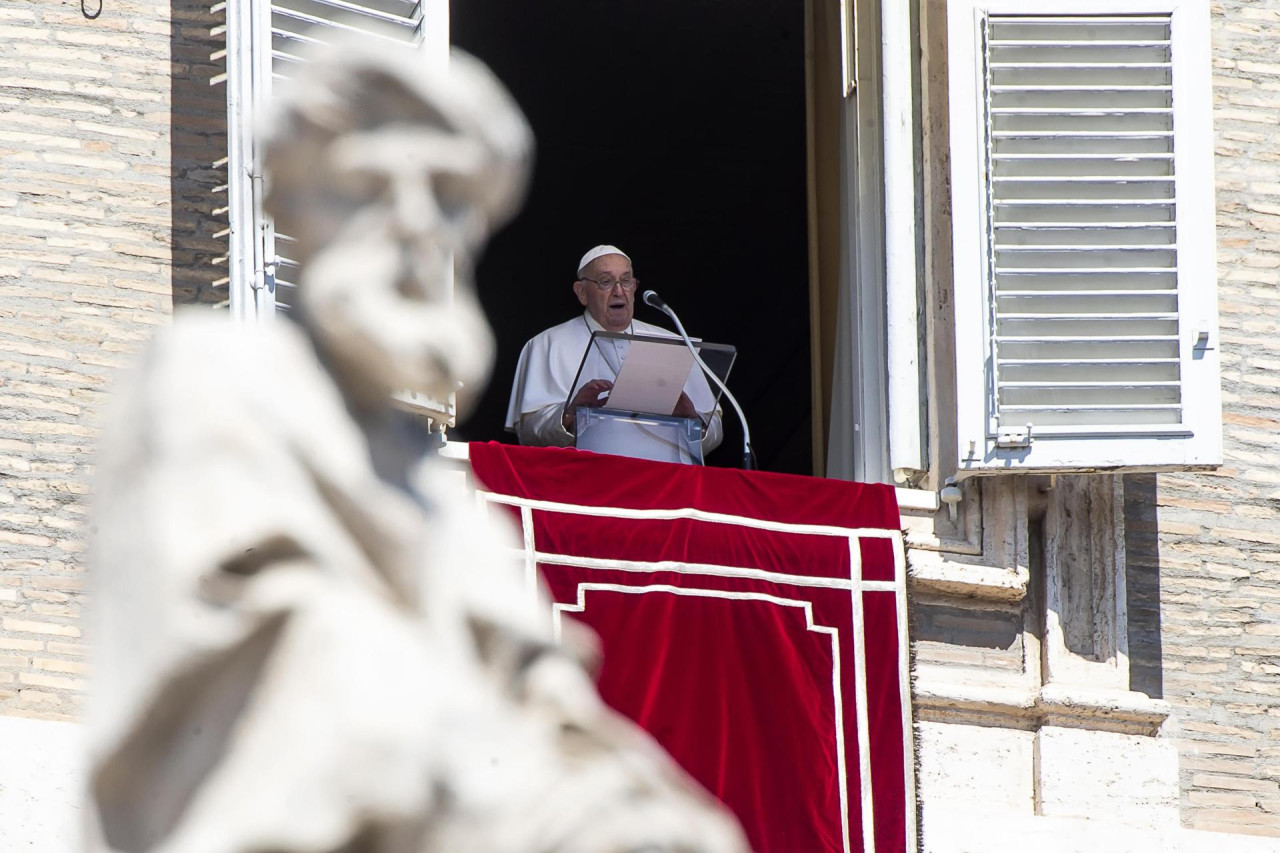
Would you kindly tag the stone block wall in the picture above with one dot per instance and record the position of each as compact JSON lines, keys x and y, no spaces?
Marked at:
{"x":108,"y":134}
{"x":1202,"y":548}
{"x":1206,"y":544}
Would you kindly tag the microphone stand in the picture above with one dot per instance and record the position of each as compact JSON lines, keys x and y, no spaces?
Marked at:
{"x":652,"y":299}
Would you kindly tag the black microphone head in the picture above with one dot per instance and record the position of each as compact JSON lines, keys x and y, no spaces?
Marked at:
{"x":652,"y":298}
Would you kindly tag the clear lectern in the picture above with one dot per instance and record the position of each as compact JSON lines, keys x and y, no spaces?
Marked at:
{"x":649,"y":372}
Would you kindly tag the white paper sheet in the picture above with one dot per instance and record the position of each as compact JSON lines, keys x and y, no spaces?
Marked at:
{"x":651,"y":378}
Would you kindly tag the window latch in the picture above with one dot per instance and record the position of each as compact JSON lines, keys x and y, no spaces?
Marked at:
{"x":1012,"y":438}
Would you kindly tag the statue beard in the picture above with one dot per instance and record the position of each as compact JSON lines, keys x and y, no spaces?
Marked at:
{"x":383,"y":313}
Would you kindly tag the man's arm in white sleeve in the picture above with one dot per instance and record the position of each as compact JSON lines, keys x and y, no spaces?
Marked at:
{"x":544,"y":427}
{"x":715,"y":433}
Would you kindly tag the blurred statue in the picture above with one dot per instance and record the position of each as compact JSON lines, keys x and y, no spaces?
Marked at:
{"x":306,"y":640}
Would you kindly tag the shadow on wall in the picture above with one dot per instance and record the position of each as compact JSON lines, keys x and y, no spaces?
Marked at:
{"x":976,"y":634}
{"x":1142,"y":575}
{"x":197,"y":141}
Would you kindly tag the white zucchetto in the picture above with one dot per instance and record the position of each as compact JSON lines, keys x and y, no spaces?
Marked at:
{"x":597,"y":252}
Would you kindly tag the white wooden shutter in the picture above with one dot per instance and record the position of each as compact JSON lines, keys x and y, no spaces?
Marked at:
{"x":264,"y":41}
{"x":263,"y":44}
{"x":1082,"y":196}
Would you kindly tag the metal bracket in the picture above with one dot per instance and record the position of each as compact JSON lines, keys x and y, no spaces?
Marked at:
{"x":1013,"y":438}
{"x":951,"y":495}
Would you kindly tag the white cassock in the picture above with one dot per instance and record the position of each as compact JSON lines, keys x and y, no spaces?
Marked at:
{"x":549,"y":362}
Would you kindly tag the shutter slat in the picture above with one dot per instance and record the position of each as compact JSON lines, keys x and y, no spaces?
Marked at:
{"x":1094,"y":111}
{"x":1084,"y":156}
{"x":1076,"y":21}
{"x":1014,"y":248}
{"x":343,"y":7}
{"x":1093,"y":362}
{"x":1070,"y":386}
{"x":1078,"y":135}
{"x":1081,"y":66}
{"x":1085,"y":271}
{"x":1080,"y":226}
{"x":1080,"y":407}
{"x":315,"y":22}
{"x":1081,"y":179}
{"x":1109,"y":317}
{"x":1085,"y":339}
{"x":1113,"y":87}
{"x":278,"y":34}
{"x":1082,"y":43}
{"x":1084,"y":294}
{"x":1084,"y":202}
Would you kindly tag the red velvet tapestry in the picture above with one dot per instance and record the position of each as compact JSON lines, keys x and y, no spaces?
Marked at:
{"x":753,"y":623}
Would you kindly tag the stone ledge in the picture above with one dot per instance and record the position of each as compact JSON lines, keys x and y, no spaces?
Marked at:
{"x":1078,"y":707}
{"x":956,"y":830}
{"x":932,"y":572}
{"x":1097,"y":710}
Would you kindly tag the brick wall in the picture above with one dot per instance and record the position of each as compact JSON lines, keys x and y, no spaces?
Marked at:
{"x":1205,"y":545}
{"x":106,"y":220}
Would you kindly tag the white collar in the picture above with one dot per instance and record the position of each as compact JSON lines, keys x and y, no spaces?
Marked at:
{"x":596,"y":327}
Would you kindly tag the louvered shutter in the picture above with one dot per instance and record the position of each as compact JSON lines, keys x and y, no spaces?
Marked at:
{"x":1082,"y":196}
{"x":263,"y":44}
{"x":295,"y":23}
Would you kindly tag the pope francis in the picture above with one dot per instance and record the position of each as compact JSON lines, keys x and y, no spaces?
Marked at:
{"x":606,"y":286}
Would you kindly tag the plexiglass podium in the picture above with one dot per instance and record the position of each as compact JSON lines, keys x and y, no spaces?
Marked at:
{"x":641,"y":436}
{"x":646,"y":382}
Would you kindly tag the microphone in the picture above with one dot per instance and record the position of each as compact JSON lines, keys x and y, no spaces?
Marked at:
{"x":653,"y":300}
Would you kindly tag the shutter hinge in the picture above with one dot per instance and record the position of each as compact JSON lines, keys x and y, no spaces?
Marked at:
{"x":1010,"y":438}
{"x":265,"y":276}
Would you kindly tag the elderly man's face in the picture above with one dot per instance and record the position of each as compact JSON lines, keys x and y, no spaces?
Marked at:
{"x":614,"y":307}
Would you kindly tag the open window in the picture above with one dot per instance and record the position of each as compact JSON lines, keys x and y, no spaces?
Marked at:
{"x":1080,"y":228}
{"x":1084,"y":268}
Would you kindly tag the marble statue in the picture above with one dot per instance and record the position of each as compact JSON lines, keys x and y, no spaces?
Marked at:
{"x":306,"y":638}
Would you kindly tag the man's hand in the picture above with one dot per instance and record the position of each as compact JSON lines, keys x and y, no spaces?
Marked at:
{"x":684,"y":407}
{"x":588,"y":395}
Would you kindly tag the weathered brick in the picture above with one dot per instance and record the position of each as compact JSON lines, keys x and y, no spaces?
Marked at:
{"x":65,"y":666}
{"x":40,"y":697}
{"x":13,"y":538}
{"x":39,"y":679}
{"x":26,"y":626}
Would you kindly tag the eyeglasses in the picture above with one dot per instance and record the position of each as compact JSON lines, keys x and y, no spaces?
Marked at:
{"x":606,"y":284}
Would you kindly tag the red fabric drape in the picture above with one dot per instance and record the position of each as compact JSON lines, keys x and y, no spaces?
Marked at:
{"x":735,"y":647}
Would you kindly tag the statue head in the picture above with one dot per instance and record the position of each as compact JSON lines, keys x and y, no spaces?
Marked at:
{"x":389,"y":173}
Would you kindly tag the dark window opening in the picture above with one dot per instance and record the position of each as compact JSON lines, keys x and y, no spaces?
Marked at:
{"x":678,"y":134}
